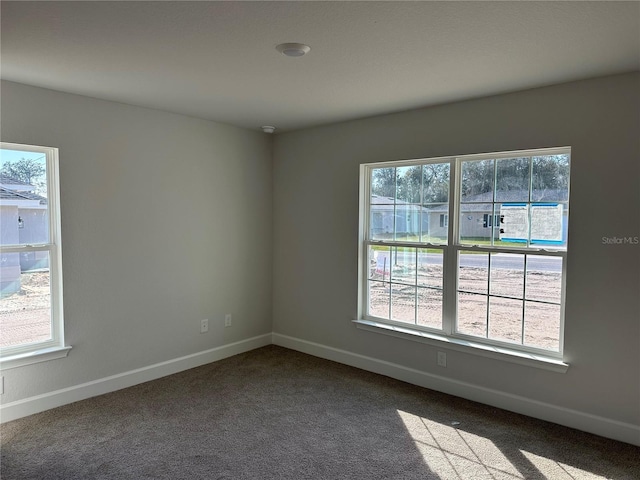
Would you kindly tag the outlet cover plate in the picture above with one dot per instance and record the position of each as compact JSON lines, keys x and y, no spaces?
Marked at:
{"x":442,"y":359}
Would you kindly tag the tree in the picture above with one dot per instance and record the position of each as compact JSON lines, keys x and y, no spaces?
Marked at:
{"x":26,"y":170}
{"x":409,"y":184}
{"x":384,"y":182}
{"x":549,"y":177}
{"x":427,"y":183}
{"x":509,"y":177}
{"x":477,"y":177}
{"x":435,"y":183}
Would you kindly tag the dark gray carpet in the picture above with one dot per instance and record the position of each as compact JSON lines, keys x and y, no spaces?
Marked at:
{"x":278,"y":414}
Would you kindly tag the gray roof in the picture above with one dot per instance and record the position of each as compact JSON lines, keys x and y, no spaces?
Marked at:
{"x":7,"y":194}
{"x":380,"y":200}
{"x":482,"y":202}
{"x":9,"y":180}
{"x":515,"y":196}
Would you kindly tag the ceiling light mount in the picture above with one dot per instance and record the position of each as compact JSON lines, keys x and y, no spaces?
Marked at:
{"x":293,"y":49}
{"x":268,"y":128}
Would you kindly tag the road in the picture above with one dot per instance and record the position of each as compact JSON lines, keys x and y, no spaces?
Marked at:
{"x":510,"y":261}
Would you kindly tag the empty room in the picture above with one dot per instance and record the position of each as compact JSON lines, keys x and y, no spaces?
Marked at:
{"x":320,"y":240}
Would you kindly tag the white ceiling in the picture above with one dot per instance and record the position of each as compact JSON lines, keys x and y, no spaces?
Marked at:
{"x":217,"y":60}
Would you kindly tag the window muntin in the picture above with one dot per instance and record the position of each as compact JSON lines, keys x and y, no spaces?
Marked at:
{"x":30,"y":253}
{"x":497,"y":268}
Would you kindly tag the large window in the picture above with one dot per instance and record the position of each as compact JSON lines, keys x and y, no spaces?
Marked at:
{"x":470,"y":248}
{"x":30,"y":264}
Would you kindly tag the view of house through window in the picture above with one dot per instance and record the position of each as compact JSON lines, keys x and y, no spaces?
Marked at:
{"x":29,"y":250}
{"x":472,"y":247}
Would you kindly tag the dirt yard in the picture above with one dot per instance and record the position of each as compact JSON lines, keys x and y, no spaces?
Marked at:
{"x":26,"y":314}
{"x":481,"y":312}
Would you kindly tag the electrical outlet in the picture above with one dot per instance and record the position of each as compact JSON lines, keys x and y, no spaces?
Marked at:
{"x":442,"y":359}
{"x":204,"y":326}
{"x":227,"y":320}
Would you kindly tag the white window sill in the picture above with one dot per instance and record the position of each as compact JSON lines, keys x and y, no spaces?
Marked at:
{"x":35,"y":356}
{"x":465,"y":346}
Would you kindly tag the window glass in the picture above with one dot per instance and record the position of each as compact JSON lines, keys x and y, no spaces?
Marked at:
{"x":436,"y":182}
{"x":550,"y":178}
{"x":500,"y":280}
{"x":471,"y":223}
{"x":512,"y":180}
{"x":472,"y":314}
{"x":477,"y":181}
{"x":25,"y":305}
{"x":409,"y":184}
{"x":23,"y":198}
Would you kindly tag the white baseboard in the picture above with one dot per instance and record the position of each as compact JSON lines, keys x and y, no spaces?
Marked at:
{"x":604,"y":427}
{"x":40,"y":403}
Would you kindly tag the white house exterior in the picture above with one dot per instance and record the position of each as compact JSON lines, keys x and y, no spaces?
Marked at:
{"x":477,"y":216}
{"x":404,"y":217}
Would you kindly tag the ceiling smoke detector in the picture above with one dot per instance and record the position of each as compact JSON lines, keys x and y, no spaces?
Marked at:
{"x":293,"y":49}
{"x":268,"y":129}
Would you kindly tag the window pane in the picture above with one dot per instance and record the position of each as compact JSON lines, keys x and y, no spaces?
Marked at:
{"x":435,"y":183}
{"x":383,"y":183}
{"x":379,"y":299}
{"x":512,"y":180}
{"x":505,"y":319}
{"x":473,"y":272}
{"x":499,"y":232}
{"x":379,"y":263}
{"x":514,"y":224}
{"x":472,"y":223}
{"x":382,"y":218}
{"x":24,"y":216}
{"x":435,"y":223}
{"x":549,"y":224}
{"x":507,"y":275}
{"x":477,"y":181}
{"x":403,"y":265}
{"x":472,"y":314}
{"x":407,"y":222}
{"x":430,"y":308}
{"x":403,"y":303}
{"x":409,"y":184}
{"x":25,"y":300}
{"x":430,"y":268}
{"x":544,"y":278}
{"x":542,"y":325}
{"x":550,"y":178}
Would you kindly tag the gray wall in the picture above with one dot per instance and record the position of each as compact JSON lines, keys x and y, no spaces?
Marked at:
{"x":166,"y":220}
{"x":316,"y":233}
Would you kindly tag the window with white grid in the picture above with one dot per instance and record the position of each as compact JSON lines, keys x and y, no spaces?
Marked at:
{"x":471,"y":247}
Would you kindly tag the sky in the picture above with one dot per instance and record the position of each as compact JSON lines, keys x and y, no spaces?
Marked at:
{"x":14,"y":155}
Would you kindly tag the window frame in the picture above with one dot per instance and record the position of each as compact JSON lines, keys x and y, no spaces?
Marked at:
{"x":519,"y":352}
{"x":25,"y":354}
